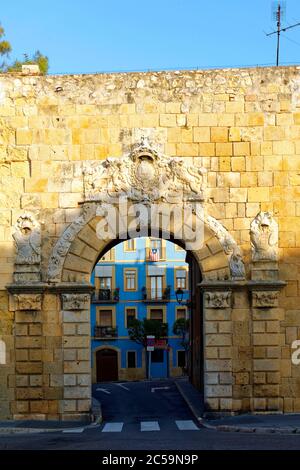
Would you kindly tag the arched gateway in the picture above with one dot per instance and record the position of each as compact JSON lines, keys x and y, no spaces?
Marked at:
{"x":141,"y":193}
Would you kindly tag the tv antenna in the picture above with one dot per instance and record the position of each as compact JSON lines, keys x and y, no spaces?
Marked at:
{"x":278,"y":13}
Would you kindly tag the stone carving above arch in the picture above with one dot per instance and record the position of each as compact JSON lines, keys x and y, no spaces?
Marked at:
{"x":147,"y":177}
{"x":144,"y":175}
{"x":264,"y":237}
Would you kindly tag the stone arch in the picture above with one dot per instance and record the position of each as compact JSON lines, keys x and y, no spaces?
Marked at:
{"x":77,"y":250}
{"x":151,"y":179}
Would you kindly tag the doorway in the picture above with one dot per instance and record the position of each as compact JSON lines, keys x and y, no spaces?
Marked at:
{"x":107,"y":365}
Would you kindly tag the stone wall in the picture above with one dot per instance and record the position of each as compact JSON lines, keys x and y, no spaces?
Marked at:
{"x":243,"y":126}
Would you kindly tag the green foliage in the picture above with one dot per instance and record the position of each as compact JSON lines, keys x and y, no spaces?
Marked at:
{"x":139,"y":330}
{"x":5,"y":47}
{"x":37,"y":58}
{"x":181,"y":328}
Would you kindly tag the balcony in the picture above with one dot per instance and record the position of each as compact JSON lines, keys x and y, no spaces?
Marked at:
{"x":156,"y":295}
{"x":160,"y":255}
{"x":105,"y":332}
{"x":106,"y":296}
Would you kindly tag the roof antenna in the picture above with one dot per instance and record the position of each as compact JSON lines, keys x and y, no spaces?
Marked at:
{"x":278,"y":13}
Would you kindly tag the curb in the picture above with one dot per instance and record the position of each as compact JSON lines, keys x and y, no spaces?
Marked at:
{"x":199,"y":419}
{"x":235,"y":428}
{"x":96,"y":420}
{"x":11,"y":430}
{"x":96,"y":413}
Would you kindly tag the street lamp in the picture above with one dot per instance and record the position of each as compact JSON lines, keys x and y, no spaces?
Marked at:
{"x":179,"y":295}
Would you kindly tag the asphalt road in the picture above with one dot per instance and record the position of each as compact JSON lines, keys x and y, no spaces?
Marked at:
{"x":126,"y":407}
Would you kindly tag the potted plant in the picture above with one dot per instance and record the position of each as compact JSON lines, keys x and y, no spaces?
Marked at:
{"x":116,"y":293}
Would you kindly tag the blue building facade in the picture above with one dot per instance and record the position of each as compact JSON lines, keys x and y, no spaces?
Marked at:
{"x":137,"y":278}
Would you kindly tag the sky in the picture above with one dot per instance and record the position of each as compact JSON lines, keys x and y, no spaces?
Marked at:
{"x":88,"y":36}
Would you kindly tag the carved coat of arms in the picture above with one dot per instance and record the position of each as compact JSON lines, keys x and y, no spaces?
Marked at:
{"x":143,"y":176}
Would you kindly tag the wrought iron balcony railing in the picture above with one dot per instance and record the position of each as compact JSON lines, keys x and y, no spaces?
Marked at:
{"x":106,"y":295}
{"x":156,"y":295}
{"x":105,"y":332}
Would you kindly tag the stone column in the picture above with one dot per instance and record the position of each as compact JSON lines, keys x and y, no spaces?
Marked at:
{"x":29,"y":366}
{"x":267,"y":343}
{"x":76,"y":356}
{"x":217,"y":338}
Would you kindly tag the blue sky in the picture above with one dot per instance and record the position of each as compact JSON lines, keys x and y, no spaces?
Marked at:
{"x":124,"y":35}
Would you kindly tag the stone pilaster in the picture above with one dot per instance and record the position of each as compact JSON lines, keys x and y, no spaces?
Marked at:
{"x":217,"y":339}
{"x":76,"y":356}
{"x":267,"y":342}
{"x":29,"y":393}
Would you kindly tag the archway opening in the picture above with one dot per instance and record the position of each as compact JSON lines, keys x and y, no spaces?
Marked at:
{"x":140,"y":283}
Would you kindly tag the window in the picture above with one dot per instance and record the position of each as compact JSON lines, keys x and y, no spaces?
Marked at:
{"x":180,"y":313}
{"x":156,"y":287}
{"x":105,"y":317}
{"x":181,"y":279}
{"x":104,"y":278}
{"x":129,"y":245}
{"x":130,"y":279}
{"x":130,"y":315}
{"x":157,"y":355}
{"x":181,"y":359}
{"x":131,"y":359}
{"x":105,"y":282}
{"x":157,"y":314}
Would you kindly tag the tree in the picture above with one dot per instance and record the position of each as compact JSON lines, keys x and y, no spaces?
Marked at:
{"x":139,"y":330}
{"x":181,"y":328}
{"x":37,"y":58}
{"x":5,"y":47}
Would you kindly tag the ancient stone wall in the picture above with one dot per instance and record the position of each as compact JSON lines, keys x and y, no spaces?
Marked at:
{"x":243,"y":127}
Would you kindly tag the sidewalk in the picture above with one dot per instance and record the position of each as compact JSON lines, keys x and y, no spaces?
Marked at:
{"x":35,"y":426}
{"x":248,"y":423}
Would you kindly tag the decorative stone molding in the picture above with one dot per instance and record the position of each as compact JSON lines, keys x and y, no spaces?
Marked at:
{"x":231,"y":249}
{"x":144,"y":175}
{"x":264,"y":237}
{"x":147,"y":177}
{"x":27,"y":236}
{"x":265,"y":299}
{"x":91,"y":210}
{"x":218,"y":299}
{"x":28,"y":301}
{"x":237,"y":267}
{"x":75,"y":301}
{"x":63,"y":245}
